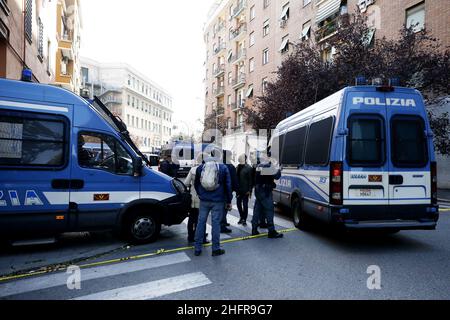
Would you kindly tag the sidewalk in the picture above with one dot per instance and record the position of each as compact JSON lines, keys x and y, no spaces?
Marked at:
{"x":444,"y":195}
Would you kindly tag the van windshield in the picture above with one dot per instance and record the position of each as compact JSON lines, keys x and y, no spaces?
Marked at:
{"x":366,"y":143}
{"x":409,"y":147}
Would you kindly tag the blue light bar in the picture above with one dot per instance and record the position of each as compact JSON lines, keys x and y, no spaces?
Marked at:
{"x":361,"y":81}
{"x":27,"y":75}
{"x":394,"y":82}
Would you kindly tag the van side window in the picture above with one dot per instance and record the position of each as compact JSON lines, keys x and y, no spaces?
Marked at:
{"x":32,"y":142}
{"x":409,"y":144}
{"x":277,"y":147}
{"x":294,"y":146}
{"x":103,"y":152}
{"x":319,"y":143}
{"x":365,"y":142}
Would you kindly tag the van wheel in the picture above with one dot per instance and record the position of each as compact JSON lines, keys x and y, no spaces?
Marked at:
{"x":143,"y":228}
{"x":301,"y":220}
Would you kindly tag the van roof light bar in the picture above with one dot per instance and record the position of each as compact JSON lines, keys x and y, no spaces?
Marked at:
{"x":361,"y":81}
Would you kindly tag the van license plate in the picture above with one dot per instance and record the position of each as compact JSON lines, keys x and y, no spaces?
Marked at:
{"x":365,"y":193}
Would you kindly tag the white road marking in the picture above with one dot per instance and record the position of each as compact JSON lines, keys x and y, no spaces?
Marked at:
{"x":278,"y":221}
{"x":60,"y":279}
{"x":209,"y":231}
{"x":154,"y":289}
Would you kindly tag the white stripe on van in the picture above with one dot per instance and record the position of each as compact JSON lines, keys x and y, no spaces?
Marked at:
{"x":61,"y":198}
{"x":33,"y":106}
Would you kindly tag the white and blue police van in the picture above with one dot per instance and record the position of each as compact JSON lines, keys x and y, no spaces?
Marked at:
{"x":69,"y":165}
{"x":362,"y":158}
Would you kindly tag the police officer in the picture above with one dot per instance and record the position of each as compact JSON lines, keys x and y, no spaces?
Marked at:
{"x":266,"y":174}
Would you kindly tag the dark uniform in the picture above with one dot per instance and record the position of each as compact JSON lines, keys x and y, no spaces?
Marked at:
{"x":265,"y":177}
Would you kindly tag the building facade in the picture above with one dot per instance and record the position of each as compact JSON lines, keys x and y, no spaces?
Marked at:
{"x":68,"y":34}
{"x":247,"y":40}
{"x":143,"y":105}
{"x":31,"y":37}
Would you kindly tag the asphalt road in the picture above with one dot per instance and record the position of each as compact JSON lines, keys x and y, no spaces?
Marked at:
{"x":316,"y":265}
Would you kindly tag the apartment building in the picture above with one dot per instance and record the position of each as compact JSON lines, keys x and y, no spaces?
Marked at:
{"x":144,"y":106}
{"x":41,"y":35}
{"x":247,"y":40}
{"x":68,"y":34}
{"x":27,"y":39}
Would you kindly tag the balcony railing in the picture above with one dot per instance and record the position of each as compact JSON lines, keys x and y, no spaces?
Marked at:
{"x":222,"y":46}
{"x":241,"y":54}
{"x":239,"y":81}
{"x":220,"y":91}
{"x":330,"y":27}
{"x":219,"y":71}
{"x":241,"y":5}
{"x":241,"y":30}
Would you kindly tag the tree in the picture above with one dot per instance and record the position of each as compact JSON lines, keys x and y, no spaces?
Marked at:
{"x":305,"y":77}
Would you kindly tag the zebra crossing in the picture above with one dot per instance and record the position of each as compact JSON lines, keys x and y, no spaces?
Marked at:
{"x":189,"y":278}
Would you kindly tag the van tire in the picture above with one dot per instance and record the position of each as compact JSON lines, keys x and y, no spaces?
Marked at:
{"x":142,"y":228}
{"x":301,"y":220}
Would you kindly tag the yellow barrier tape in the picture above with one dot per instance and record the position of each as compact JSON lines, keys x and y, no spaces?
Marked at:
{"x":131,"y":258}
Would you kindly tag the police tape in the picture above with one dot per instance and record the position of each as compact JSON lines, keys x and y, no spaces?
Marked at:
{"x":61,"y":268}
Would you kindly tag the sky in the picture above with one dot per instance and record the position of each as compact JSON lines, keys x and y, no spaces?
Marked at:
{"x":161,"y":38}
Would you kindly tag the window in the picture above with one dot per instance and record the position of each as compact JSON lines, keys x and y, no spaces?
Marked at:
{"x":251,"y":65}
{"x":284,"y":44}
{"x":319,"y":143}
{"x":265,"y":56}
{"x":252,"y":39}
{"x":41,"y":39}
{"x":29,"y":20}
{"x":306,"y":2}
{"x":294,"y":145}
{"x":266,"y":3}
{"x":415,"y":17}
{"x":250,"y":91}
{"x":409,"y":144}
{"x":85,"y":75}
{"x":285,"y":12}
{"x":230,"y":77}
{"x":252,"y":13}
{"x":103,"y":152}
{"x":32,"y":141}
{"x":306,"y":31}
{"x":264,"y":85}
{"x":266,"y":28}
{"x":365,"y":142}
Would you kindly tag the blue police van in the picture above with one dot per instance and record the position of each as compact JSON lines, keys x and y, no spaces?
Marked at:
{"x":69,"y":165}
{"x":363,"y":158}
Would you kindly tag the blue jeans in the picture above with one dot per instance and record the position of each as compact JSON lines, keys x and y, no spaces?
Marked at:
{"x":265,"y":207}
{"x":216,"y":209}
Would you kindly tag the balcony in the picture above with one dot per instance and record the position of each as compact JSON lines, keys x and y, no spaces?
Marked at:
{"x":239,"y":82}
{"x":330,"y":27}
{"x":219,"y":92}
{"x":220,"y":111}
{"x":238,"y":33}
{"x":238,"y":106}
{"x":222,"y":46}
{"x":239,"y":56}
{"x":220,"y":71}
{"x":242,"y":4}
{"x":220,"y":26}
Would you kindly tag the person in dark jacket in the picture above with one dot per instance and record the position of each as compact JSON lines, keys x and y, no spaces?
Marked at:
{"x":245,"y":182}
{"x":234,"y":187}
{"x":168,"y":167}
{"x":266,"y":174}
{"x":214,"y":202}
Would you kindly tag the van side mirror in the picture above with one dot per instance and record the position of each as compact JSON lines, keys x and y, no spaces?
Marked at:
{"x":137,"y":166}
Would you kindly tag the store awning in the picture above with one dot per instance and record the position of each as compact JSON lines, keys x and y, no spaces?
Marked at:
{"x":327,"y":9}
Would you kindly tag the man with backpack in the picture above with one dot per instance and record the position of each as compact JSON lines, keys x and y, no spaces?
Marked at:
{"x":213,"y":186}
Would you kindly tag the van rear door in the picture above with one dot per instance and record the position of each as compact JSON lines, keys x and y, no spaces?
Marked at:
{"x":366,"y":170}
{"x":409,"y":180}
